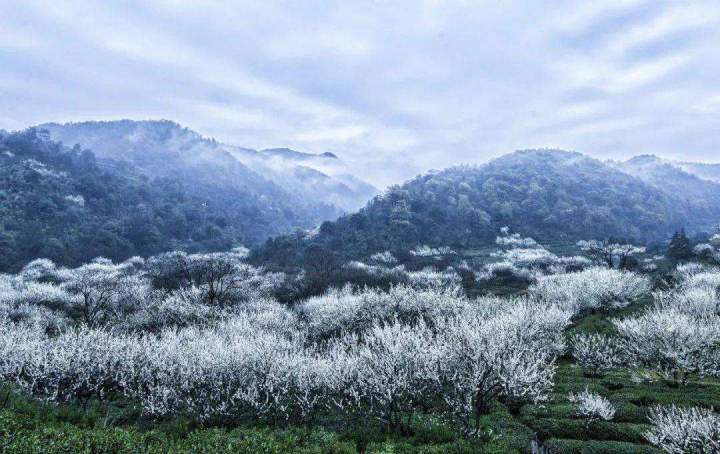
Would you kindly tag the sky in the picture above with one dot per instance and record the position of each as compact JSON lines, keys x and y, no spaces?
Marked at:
{"x":395,"y":88}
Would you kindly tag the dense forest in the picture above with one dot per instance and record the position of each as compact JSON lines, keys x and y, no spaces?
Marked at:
{"x":70,"y":206}
{"x":548,"y":194}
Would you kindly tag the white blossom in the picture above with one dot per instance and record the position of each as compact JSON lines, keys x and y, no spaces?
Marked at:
{"x":596,"y":353}
{"x":592,"y":407}
{"x":683,"y":430}
{"x":591,"y":289}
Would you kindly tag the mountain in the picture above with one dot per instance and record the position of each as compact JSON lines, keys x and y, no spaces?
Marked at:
{"x":709,"y":172}
{"x":71,"y":204}
{"x":547,"y":194}
{"x":672,"y":178}
{"x":321,"y":176}
{"x":166,"y":148}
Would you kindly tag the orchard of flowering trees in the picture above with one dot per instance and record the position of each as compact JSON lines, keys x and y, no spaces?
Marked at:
{"x":368,"y":353}
{"x":204,"y":336}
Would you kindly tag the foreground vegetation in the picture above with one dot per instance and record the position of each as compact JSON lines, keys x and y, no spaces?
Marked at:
{"x":191,"y":353}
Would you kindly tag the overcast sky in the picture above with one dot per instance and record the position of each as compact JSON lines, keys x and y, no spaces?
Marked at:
{"x":395,"y":88}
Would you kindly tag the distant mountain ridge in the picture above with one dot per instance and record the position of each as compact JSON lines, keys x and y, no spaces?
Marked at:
{"x":148,"y":144}
{"x":706,"y":171}
{"x":540,"y":193}
{"x":676,"y":179}
{"x":135,"y":197}
{"x":287,"y":153}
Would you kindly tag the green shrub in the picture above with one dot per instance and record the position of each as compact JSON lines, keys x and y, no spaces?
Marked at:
{"x":575,"y":429}
{"x":22,"y":435}
{"x":560,"y":446}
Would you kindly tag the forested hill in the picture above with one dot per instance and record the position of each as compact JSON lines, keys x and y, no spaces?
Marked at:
{"x":164,"y":148}
{"x":541,"y":193}
{"x":678,"y":179}
{"x":68,"y":205}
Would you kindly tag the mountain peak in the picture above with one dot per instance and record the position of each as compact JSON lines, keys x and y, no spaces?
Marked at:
{"x":645,"y":159}
{"x":288,"y":153}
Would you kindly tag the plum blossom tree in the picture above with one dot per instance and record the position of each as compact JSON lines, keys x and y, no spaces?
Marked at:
{"x":396,"y":370}
{"x":509,"y":355}
{"x":591,"y":289}
{"x":525,"y":259}
{"x":685,"y":430}
{"x":592,"y":407}
{"x":385,"y":257}
{"x":671,"y":342}
{"x":613,"y":255}
{"x":95,"y":284}
{"x":348,"y":310}
{"x":596,"y":353}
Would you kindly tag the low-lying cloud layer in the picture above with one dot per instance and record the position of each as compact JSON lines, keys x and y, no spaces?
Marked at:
{"x":395,"y":88}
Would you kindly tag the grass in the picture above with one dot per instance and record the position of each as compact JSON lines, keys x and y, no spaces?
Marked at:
{"x":554,"y":422}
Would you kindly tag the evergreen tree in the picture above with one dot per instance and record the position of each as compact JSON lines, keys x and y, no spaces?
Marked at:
{"x":679,"y":249}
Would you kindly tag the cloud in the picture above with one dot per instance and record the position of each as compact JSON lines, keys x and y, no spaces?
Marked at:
{"x":394,"y":88}
{"x":342,"y":134}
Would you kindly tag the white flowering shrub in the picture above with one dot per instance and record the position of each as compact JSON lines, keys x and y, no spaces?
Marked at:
{"x":430,"y":279}
{"x":685,"y":430}
{"x":260,"y":359}
{"x":16,"y":341}
{"x":35,"y":303}
{"x":504,"y":269}
{"x":178,"y":308}
{"x":354,"y":311}
{"x":428,"y":251}
{"x":508,"y":355}
{"x":709,"y":251}
{"x":74,"y":365}
{"x":591,"y":289}
{"x":696,"y":275}
{"x":395,"y":370}
{"x":694,"y":300}
{"x":524,"y":259}
{"x":592,"y":407}
{"x":386,"y":258}
{"x":612,"y":255}
{"x":229,"y":370}
{"x":14,"y":292}
{"x":596,"y":353}
{"x":381,"y":273}
{"x":672,"y":342}
{"x":686,"y":270}
{"x":199,"y":334}
{"x":40,"y":270}
{"x":514,"y":240}
{"x":709,"y":279}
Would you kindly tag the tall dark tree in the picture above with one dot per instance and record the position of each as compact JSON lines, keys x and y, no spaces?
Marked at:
{"x":679,"y":249}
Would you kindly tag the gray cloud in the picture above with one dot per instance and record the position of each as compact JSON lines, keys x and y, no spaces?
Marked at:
{"x":395,"y":88}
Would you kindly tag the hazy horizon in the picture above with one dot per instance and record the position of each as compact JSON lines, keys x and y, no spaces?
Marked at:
{"x":395,"y":89}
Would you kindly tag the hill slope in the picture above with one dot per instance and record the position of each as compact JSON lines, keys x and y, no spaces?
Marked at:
{"x":165,"y":148}
{"x":672,"y":178}
{"x":709,"y":172}
{"x":70,"y":206}
{"x":541,"y":193}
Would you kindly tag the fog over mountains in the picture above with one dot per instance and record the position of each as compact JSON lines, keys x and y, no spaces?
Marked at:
{"x":149,"y":144}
